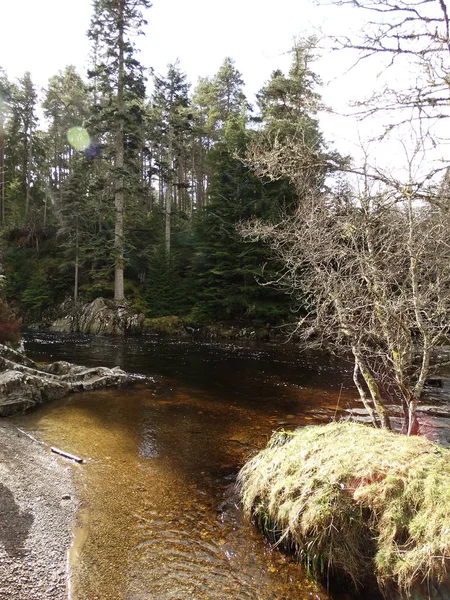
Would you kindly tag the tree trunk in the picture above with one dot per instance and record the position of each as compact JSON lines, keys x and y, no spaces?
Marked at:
{"x":119,"y":201}
{"x":362,"y":394}
{"x":75,"y":287}
{"x":28,"y":174}
{"x":374,"y":391}
{"x":2,"y":170}
{"x":413,"y":424}
{"x":168,"y":207}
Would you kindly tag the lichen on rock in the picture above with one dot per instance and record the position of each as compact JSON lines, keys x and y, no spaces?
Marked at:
{"x":100,"y":317}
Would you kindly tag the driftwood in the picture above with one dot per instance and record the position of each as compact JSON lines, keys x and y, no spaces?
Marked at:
{"x":66,"y":454}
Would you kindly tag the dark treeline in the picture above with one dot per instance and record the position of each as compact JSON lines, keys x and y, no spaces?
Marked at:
{"x":108,"y":191}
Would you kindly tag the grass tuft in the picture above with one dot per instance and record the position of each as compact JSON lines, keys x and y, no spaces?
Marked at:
{"x":351,"y":500}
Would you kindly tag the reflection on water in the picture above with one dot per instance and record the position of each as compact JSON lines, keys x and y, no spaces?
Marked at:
{"x":157,"y":493}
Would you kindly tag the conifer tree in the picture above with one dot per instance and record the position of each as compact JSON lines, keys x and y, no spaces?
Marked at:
{"x":22,"y":151}
{"x":65,"y":105}
{"x":227,"y":268}
{"x":288,"y":104}
{"x":119,"y":86}
{"x":218,"y":102}
{"x":5,"y":89}
{"x":170,"y":117}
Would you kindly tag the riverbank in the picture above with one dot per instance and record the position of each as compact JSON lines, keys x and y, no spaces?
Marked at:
{"x":37,"y":506}
{"x":354,"y":502}
{"x":104,"y":316}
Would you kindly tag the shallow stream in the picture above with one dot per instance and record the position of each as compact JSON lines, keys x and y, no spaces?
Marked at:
{"x":159,"y":517}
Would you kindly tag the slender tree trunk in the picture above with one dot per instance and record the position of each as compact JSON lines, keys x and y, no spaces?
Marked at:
{"x":362,"y":393}
{"x":75,"y":287}
{"x":374,"y":391}
{"x":29,"y":159}
{"x":192,"y":194}
{"x":169,"y":195}
{"x":413,"y":424}
{"x":119,"y":200}
{"x":45,"y":208}
{"x":2,"y":171}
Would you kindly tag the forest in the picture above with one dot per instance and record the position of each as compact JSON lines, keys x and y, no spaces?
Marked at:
{"x":188,"y":203}
{"x":194,"y":204}
{"x":108,"y":190}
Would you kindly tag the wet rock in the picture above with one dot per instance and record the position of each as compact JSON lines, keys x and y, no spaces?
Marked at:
{"x":434,"y":382}
{"x":20,"y":391}
{"x":24,"y":385}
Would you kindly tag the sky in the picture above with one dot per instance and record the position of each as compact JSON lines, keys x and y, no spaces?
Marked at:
{"x":44,"y":36}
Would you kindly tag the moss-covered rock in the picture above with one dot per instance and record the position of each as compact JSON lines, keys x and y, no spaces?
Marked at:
{"x":170,"y":325}
{"x":354,"y":501}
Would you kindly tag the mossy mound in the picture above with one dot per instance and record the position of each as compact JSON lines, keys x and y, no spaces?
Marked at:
{"x":169,"y":325}
{"x":351,"y":501}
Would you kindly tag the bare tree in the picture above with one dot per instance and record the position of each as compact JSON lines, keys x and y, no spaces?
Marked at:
{"x":370,"y":267}
{"x":411,"y":39}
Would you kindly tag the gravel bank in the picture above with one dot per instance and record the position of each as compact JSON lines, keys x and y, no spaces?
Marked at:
{"x":37,"y":504}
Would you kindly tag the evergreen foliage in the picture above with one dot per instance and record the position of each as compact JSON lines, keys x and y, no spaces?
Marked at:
{"x":227,"y":269}
{"x":159,"y":190}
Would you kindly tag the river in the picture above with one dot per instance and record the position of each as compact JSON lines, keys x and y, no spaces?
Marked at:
{"x":158,"y":517}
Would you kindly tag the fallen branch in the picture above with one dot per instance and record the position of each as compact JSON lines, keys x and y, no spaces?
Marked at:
{"x":28,"y":435}
{"x":66,"y":454}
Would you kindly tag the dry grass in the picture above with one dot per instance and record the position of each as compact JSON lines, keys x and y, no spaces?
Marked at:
{"x":352,"y":500}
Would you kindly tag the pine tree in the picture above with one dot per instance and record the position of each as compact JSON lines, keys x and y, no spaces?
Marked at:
{"x":288,"y":104}
{"x":76,"y":216}
{"x":23,"y":150}
{"x":119,"y":91}
{"x":226,"y":268}
{"x":65,"y":105}
{"x":171,"y":124}
{"x":5,"y":91}
{"x":230,"y":101}
{"x":218,"y":103}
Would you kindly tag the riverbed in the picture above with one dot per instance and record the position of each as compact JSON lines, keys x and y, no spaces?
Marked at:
{"x":159,"y":518}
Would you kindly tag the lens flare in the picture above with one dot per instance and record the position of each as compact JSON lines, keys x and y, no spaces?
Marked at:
{"x":78,"y":138}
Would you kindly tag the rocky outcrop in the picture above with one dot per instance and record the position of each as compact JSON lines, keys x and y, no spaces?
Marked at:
{"x":101,"y":317}
{"x":25,"y":385}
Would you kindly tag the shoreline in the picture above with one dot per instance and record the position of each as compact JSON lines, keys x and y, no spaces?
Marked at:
{"x":37,"y":516}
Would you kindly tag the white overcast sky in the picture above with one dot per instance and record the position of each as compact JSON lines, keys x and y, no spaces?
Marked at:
{"x":44,"y":36}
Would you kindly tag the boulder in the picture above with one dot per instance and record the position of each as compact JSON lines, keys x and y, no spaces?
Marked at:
{"x":25,"y":385}
{"x":102,"y":316}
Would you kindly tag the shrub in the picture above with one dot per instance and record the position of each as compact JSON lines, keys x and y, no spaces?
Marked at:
{"x":10,"y":325}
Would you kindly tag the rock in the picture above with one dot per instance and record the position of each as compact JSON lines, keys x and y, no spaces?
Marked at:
{"x":20,"y":391}
{"x":434,"y":382}
{"x":102,"y":316}
{"x":24,"y":385}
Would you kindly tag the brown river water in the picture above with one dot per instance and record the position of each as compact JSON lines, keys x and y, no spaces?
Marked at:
{"x":159,"y":518}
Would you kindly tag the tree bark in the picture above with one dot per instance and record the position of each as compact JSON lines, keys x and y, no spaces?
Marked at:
{"x":168,"y":206}
{"x":119,"y":200}
{"x":362,"y":394}
{"x":75,"y":287}
{"x":2,"y":170}
{"x":374,"y":391}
